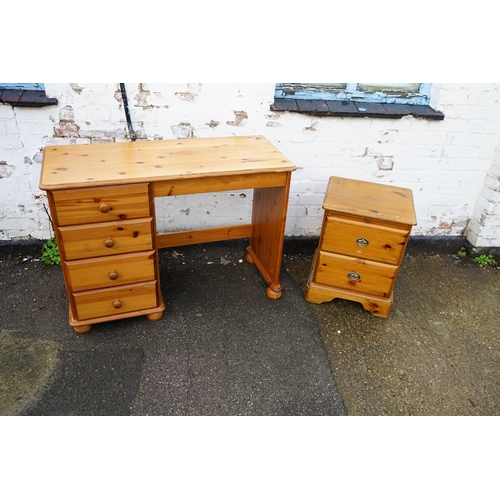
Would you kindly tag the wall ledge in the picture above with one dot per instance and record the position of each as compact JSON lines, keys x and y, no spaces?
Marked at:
{"x":353,"y":109}
{"x":26,"y":98}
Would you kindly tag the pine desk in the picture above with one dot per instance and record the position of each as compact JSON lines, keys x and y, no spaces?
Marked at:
{"x":101,"y":199}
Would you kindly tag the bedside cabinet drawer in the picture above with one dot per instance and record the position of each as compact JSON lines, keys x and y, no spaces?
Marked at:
{"x":363,"y":276}
{"x":96,"y":240}
{"x":364,"y":240}
{"x":103,"y":272}
{"x":116,"y":300}
{"x":82,"y":206}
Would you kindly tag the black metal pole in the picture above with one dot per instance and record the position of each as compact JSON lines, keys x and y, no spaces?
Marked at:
{"x":132,"y":134}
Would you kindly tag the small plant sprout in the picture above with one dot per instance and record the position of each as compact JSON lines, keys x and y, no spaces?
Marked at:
{"x":485,"y":260}
{"x":50,"y":252}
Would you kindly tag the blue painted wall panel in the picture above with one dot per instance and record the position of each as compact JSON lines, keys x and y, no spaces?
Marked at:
{"x":23,"y":86}
{"x":349,"y":93}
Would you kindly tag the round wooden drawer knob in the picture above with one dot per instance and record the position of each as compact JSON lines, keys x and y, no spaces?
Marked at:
{"x":104,"y":208}
{"x":113,"y":275}
{"x":117,"y":304}
{"x":109,"y":243}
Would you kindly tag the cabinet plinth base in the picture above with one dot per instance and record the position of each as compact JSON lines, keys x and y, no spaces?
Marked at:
{"x":378,"y":306}
{"x":153,"y":314}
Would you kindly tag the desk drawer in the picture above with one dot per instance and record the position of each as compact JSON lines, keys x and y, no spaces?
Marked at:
{"x":116,"y":300}
{"x":96,"y":240}
{"x":103,"y":272}
{"x":364,"y":240}
{"x":374,"y":278}
{"x":114,"y":203}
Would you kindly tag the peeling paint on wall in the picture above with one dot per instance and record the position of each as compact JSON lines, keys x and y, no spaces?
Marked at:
{"x":388,"y":137}
{"x":312,"y":127}
{"x":384,"y":162}
{"x":183,"y":131}
{"x":38,"y":157}
{"x":194,"y":90}
{"x":67,"y":126}
{"x":5,"y":169}
{"x":240,"y":119}
{"x":142,"y":98}
{"x":76,"y":88}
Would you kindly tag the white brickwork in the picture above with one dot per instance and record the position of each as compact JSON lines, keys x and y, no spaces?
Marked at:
{"x":484,"y":228}
{"x":452,"y":166}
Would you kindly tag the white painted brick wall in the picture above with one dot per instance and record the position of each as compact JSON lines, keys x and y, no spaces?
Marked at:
{"x":452,"y":166}
{"x":484,"y":229}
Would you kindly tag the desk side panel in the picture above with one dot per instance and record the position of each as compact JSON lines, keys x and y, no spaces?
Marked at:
{"x":269,"y":219}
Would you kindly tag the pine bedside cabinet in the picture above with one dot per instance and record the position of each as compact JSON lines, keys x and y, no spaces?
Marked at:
{"x":365,"y":230}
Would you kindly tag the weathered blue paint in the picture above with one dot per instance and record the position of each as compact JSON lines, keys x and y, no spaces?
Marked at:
{"x":22,"y":86}
{"x":350,"y":93}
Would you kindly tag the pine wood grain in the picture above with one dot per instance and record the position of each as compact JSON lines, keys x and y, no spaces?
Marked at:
{"x":369,"y":199}
{"x":111,"y":203}
{"x":90,"y":240}
{"x":376,"y":278}
{"x":103,"y":272}
{"x":148,"y":161}
{"x":113,"y":301}
{"x":384,"y":243}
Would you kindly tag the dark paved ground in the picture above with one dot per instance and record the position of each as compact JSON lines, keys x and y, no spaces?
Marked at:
{"x":223,"y":348}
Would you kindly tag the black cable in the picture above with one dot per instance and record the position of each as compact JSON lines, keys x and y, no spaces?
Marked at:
{"x":132,"y":134}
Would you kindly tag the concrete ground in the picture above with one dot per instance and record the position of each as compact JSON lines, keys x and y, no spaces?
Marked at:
{"x":223,"y":348}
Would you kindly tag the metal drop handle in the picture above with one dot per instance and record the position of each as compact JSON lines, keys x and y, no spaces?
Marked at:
{"x":362,"y":242}
{"x":354,"y":276}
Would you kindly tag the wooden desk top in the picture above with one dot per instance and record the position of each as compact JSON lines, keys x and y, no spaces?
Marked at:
{"x":89,"y":165}
{"x":368,"y":199}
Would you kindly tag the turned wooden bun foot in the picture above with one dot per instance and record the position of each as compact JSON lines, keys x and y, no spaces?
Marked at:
{"x":83,"y":329}
{"x":155,"y":316}
{"x":273,"y":294}
{"x":249,"y":259}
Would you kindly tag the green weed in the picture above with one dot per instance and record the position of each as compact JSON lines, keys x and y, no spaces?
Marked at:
{"x":50,"y":252}
{"x":485,"y":260}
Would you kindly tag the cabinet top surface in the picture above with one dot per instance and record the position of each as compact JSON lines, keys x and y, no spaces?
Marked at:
{"x":368,"y":199}
{"x":87,"y":165}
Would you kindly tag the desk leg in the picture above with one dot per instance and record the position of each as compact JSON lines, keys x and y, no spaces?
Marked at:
{"x":82,"y":329}
{"x":155,"y":316}
{"x":266,"y":244}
